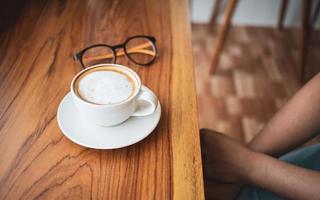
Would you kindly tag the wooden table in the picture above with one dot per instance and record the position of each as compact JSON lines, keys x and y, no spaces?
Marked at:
{"x":38,"y":162}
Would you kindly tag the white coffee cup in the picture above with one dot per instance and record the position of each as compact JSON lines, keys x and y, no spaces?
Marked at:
{"x":141,"y":103}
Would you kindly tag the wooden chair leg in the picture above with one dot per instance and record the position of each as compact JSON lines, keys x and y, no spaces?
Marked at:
{"x":316,"y":13}
{"x":222,"y":34}
{"x":214,"y":15}
{"x":283,"y":9}
{"x":305,"y":23}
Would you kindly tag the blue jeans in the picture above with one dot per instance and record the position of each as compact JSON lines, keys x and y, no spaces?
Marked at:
{"x":308,"y":157}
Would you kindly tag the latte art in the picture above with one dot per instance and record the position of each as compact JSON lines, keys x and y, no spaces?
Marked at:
{"x":105,"y":87}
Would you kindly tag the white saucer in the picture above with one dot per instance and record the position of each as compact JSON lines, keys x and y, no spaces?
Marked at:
{"x":85,"y":133}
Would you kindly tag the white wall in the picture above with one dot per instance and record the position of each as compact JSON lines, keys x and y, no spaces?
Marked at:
{"x":252,"y":12}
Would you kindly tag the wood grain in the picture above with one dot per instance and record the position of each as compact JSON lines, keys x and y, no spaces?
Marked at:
{"x":38,"y":162}
{"x":185,"y":159}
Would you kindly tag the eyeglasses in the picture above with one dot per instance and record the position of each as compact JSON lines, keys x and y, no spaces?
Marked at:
{"x":140,"y":49}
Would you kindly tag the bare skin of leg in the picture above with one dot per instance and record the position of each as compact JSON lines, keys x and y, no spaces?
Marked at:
{"x":297,"y":122}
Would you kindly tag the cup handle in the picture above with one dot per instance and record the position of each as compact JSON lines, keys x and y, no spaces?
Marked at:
{"x":147,"y":102}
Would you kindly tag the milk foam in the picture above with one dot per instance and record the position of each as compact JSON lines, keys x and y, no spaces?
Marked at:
{"x":105,"y":87}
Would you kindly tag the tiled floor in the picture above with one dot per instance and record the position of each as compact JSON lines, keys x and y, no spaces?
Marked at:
{"x":258,"y":72}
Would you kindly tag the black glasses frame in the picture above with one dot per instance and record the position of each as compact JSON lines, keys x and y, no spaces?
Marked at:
{"x":79,"y":56}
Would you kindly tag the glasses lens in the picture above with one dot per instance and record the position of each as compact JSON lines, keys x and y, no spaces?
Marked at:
{"x":97,"y":55}
{"x":141,"y":50}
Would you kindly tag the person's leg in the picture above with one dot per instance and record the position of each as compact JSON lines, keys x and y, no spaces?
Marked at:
{"x":293,"y":125}
{"x":308,"y":157}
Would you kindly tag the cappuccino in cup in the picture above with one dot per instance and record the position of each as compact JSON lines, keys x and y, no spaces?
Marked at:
{"x":108,"y":94}
{"x":105,"y":86}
